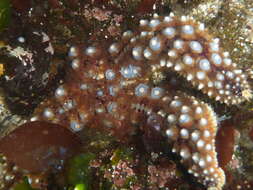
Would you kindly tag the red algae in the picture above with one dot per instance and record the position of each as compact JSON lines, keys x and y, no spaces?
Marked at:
{"x":38,"y":146}
{"x":145,"y":6}
{"x":251,"y":133}
{"x":21,"y":6}
{"x":225,"y":141}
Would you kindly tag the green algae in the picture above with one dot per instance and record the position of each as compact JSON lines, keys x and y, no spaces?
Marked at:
{"x":24,"y":185}
{"x":5,"y":12}
{"x":78,"y":172}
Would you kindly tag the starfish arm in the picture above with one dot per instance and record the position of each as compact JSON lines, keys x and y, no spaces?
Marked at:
{"x":190,"y":128}
{"x":186,"y":47}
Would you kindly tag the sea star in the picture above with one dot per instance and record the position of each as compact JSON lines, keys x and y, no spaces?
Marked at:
{"x":109,"y":85}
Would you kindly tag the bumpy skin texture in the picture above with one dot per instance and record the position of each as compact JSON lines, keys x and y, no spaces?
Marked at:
{"x":109,"y":86}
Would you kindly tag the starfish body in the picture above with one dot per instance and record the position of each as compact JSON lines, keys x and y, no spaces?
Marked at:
{"x":109,"y":85}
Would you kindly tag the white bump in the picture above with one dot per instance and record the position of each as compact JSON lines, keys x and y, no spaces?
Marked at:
{"x":220,"y":92}
{"x":184,"y":18}
{"x":175,"y":103}
{"x":113,"y":48}
{"x":155,"y":15}
{"x":226,"y":54}
{"x":141,"y":90}
{"x":172,"y":53}
{"x":162,"y":62}
{"x":72,"y":51}
{"x":198,"y":110}
{"x":109,"y":74}
{"x":169,"y":32}
{"x":214,"y":46}
{"x":185,"y":109}
{"x":200,"y":143}
{"x":169,"y":64}
{"x":237,"y":79}
{"x":132,"y":40}
{"x":204,"y":65}
{"x":144,"y":33}
{"x":184,"y":118}
{"x":171,"y":118}
{"x":170,"y":133}
{"x":48,"y":113}
{"x":21,"y":39}
{"x":75,"y":64}
{"x":206,"y":134}
{"x":112,"y":107}
{"x":188,"y":29}
{"x":238,"y":71}
{"x":147,"y":53}
{"x":156,"y":93}
{"x":220,"y":77}
{"x":100,"y":110}
{"x":83,"y":116}
{"x":201,"y":75}
{"x":201,"y":26}
{"x":178,"y":44}
{"x":167,"y":19}
{"x":203,"y":122}
{"x":155,"y":43}
{"x":100,"y":93}
{"x":202,"y":163}
{"x":112,"y":90}
{"x":195,"y":135}
{"x":178,"y":67}
{"x":195,"y":157}
{"x":184,"y":133}
{"x":184,"y":153}
{"x":90,"y":50}
{"x":227,"y":61}
{"x":83,"y":86}
{"x":34,"y":118}
{"x":188,"y":60}
{"x":216,"y":40}
{"x":244,"y":77}
{"x":128,"y":33}
{"x":196,"y":46}
{"x":210,"y":84}
{"x":218,"y":84}
{"x":143,"y":22}
{"x":216,"y":58}
{"x":60,"y":92}
{"x":189,"y":77}
{"x":69,"y":104}
{"x":208,"y":147}
{"x":137,"y":53}
{"x":200,"y":86}
{"x":211,"y":170}
{"x":130,"y":71}
{"x":76,"y":126}
{"x":154,"y":22}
